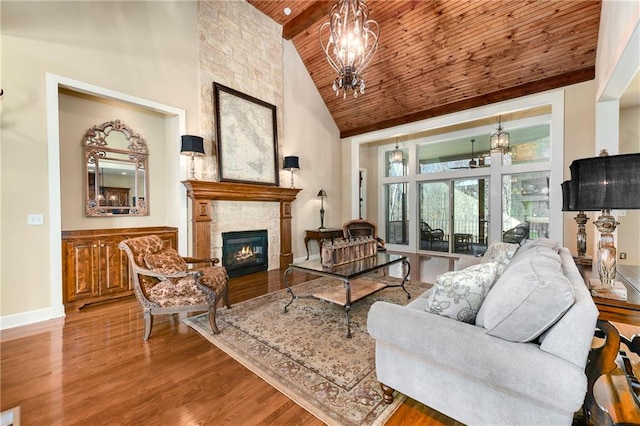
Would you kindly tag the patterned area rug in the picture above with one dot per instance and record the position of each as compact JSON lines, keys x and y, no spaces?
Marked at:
{"x":305,"y":353}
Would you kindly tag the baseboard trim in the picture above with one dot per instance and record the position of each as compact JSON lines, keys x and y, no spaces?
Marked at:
{"x":26,"y":318}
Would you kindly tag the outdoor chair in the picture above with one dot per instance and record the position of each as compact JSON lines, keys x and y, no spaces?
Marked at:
{"x":427,"y":233}
{"x":516,"y":234}
{"x":163,"y":284}
{"x":362,"y":228}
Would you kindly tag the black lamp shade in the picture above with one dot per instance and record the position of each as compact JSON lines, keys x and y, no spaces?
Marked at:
{"x":606,"y":182}
{"x":192,"y":145}
{"x":322,"y":193}
{"x":566,"y":194}
{"x":291,"y":163}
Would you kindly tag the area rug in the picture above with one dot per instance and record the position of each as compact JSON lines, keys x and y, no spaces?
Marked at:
{"x":305,"y":353}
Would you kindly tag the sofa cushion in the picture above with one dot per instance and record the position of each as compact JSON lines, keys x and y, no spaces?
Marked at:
{"x":526,"y":300}
{"x":500,"y":252}
{"x":166,"y":261}
{"x":459,"y":294}
{"x":540,"y":242}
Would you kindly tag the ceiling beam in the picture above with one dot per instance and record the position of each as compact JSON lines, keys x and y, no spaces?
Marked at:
{"x":306,"y":19}
{"x":551,"y":83}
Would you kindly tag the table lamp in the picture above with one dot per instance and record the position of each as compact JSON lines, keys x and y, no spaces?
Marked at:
{"x":606,"y":182}
{"x":322,"y":193}
{"x":568,"y":205}
{"x":291,"y":164}
{"x":192,"y":146}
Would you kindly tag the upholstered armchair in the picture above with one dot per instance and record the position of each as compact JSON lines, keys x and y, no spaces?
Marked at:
{"x":163,"y":284}
{"x":362,"y":228}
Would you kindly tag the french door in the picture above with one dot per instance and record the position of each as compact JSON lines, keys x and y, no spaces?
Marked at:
{"x":453,"y":215}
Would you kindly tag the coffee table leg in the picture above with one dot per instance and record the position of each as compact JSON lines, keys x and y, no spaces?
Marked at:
{"x":286,"y":283}
{"x":406,"y":277}
{"x":347,"y":307}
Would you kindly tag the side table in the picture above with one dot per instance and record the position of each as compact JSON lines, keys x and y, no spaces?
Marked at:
{"x":320,"y":235}
{"x":611,"y":398}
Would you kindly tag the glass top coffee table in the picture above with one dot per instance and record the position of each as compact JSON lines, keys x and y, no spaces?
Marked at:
{"x":347,"y":273}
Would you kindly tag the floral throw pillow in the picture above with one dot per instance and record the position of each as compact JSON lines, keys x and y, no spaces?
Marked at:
{"x":167,"y":261}
{"x":459,"y":294}
{"x":500,"y":252}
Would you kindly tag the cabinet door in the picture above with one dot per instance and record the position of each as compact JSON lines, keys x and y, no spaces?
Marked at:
{"x":114,"y":267}
{"x":80,"y":269}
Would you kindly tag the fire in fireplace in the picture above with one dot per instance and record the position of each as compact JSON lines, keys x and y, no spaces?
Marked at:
{"x":245,"y":252}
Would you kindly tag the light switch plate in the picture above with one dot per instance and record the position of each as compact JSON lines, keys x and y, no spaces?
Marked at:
{"x":35,"y":219}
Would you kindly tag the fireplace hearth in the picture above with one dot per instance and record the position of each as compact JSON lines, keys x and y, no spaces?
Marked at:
{"x":245,"y":252}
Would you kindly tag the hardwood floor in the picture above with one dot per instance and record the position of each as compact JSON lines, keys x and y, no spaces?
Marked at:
{"x":93,"y":367}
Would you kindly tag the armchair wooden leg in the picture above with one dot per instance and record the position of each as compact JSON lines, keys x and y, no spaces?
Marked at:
{"x":225,"y":296}
{"x":387,"y":393}
{"x":148,"y":323}
{"x":212,"y":319}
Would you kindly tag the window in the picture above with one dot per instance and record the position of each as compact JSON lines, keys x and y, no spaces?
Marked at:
{"x":525,"y":206}
{"x":457,"y":154}
{"x":452,"y":194}
{"x":529,"y":145}
{"x":396,"y":214}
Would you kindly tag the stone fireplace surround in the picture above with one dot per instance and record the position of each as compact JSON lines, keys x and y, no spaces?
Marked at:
{"x":202,"y":194}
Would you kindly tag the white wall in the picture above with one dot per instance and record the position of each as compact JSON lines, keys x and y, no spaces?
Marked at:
{"x":312,"y":135}
{"x":78,"y":113}
{"x":617,"y":63}
{"x":144,"y":49}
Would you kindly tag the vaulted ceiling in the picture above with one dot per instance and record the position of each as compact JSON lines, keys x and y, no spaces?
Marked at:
{"x":442,"y":56}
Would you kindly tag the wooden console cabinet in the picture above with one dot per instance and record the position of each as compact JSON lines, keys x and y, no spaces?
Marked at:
{"x":94,"y":269}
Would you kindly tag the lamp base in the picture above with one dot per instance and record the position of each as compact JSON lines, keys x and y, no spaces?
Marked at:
{"x":618,"y":291}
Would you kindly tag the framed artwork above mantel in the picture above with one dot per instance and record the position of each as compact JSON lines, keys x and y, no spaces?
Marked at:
{"x":247,"y":140}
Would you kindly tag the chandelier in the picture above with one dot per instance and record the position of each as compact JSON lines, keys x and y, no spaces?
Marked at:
{"x":352,"y":40}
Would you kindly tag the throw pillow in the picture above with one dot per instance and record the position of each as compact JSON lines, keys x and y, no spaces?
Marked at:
{"x":500,"y":252}
{"x":167,"y":261}
{"x":526,"y":300}
{"x":459,"y":294}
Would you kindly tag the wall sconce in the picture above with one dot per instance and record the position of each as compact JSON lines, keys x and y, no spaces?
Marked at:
{"x":606,"y":183}
{"x":291,"y":164}
{"x":322,"y":193}
{"x":192,"y":146}
{"x":500,"y":139}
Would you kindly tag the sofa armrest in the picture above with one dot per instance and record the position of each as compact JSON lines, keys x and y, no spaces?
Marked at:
{"x":467,"y":350}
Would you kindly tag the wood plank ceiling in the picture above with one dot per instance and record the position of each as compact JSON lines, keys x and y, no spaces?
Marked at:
{"x":441,"y":56}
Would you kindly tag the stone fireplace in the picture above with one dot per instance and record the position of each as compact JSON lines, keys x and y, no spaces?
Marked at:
{"x":245,"y":252}
{"x":205,"y":195}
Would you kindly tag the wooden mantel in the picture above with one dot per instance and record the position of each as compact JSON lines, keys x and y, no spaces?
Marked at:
{"x":202,"y":193}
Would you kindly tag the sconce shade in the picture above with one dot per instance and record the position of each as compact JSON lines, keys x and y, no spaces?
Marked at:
{"x":192,"y":145}
{"x":291,"y":163}
{"x":322,"y":193}
{"x":606,"y":182}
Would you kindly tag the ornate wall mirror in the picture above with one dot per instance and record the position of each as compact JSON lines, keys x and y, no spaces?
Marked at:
{"x":116,"y":171}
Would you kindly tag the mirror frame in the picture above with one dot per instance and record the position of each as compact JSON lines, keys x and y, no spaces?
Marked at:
{"x":96,"y":148}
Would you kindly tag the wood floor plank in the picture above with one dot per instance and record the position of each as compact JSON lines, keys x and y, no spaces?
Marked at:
{"x":93,"y":367}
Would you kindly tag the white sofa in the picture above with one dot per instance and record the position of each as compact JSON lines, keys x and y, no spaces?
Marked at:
{"x":490,"y":372}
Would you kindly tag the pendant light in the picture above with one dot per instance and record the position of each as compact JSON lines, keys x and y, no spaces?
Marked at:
{"x":396,"y":156}
{"x":500,"y":139}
